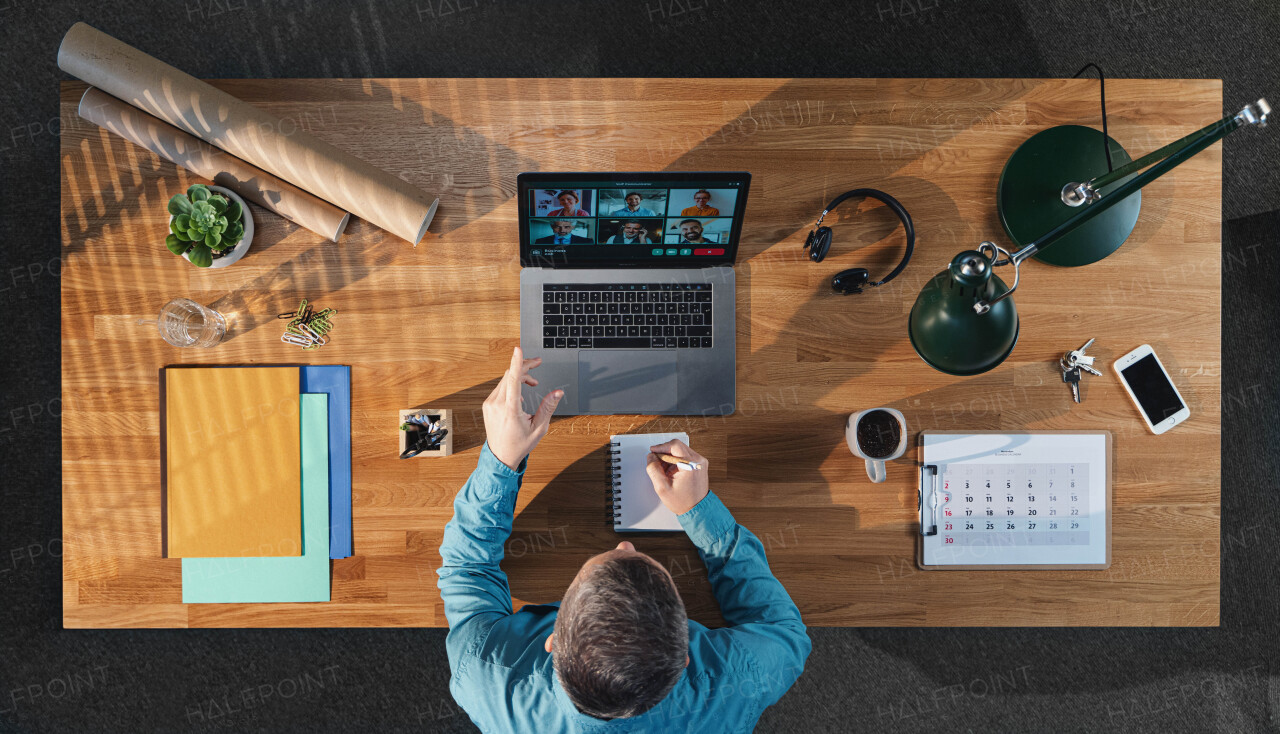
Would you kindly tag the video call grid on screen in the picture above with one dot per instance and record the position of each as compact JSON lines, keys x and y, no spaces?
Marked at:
{"x":657,"y":220}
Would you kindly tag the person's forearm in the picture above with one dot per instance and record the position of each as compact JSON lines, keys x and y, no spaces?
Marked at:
{"x":471,"y":580}
{"x":745,"y":588}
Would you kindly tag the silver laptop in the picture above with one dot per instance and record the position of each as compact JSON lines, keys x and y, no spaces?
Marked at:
{"x":627,"y":289}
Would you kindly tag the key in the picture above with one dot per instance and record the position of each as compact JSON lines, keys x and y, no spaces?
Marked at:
{"x":621,"y":343}
{"x":1078,"y":356}
{"x":1072,"y":378}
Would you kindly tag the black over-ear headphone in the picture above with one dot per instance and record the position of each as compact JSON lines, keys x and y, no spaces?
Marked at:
{"x":853,"y":279}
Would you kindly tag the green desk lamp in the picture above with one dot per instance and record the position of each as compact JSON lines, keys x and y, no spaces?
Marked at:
{"x":963,"y":322}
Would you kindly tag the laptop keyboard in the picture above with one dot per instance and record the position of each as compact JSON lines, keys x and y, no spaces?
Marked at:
{"x":626,"y":315}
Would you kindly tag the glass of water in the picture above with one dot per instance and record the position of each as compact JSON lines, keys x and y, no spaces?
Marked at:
{"x":185,"y":323}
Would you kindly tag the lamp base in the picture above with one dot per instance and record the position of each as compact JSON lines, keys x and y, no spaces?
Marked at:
{"x":1029,"y":195}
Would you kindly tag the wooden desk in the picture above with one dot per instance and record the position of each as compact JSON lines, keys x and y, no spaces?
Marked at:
{"x":434,"y":326}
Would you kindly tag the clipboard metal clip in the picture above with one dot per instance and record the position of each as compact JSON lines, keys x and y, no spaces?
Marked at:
{"x":928,"y":499}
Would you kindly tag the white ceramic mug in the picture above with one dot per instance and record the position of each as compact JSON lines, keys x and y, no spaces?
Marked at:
{"x":874,"y":443}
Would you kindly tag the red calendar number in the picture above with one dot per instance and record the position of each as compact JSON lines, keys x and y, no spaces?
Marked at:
{"x":948,"y":527}
{"x":950,"y":539}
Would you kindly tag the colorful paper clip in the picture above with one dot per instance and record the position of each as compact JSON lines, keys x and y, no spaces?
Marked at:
{"x":307,"y":327}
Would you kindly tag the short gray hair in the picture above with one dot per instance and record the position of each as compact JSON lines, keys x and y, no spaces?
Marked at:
{"x":622,"y":638}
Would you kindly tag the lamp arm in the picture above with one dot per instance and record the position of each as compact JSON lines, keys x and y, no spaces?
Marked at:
{"x":1078,"y":194}
{"x":1183,"y":149}
{"x":1210,"y":133}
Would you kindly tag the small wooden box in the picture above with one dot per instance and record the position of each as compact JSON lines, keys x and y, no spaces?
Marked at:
{"x":446,"y":421}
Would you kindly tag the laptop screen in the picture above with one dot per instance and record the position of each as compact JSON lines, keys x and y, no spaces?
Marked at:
{"x":655,"y":220}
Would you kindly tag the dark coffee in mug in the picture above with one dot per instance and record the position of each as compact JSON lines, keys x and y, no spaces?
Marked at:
{"x":879,"y":434}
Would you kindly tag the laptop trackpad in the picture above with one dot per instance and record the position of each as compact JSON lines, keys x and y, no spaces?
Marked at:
{"x":627,"y":382}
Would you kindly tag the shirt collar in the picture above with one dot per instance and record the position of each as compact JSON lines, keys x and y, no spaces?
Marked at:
{"x":636,"y":723}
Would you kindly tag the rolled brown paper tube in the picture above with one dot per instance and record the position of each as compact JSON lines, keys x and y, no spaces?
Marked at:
{"x":202,"y":159}
{"x":246,"y":132}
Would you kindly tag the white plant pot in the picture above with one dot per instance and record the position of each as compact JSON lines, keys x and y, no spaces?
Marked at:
{"x":239,"y":250}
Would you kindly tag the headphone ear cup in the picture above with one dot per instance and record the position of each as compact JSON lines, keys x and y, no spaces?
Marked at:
{"x":819,"y":243}
{"x":850,"y":281}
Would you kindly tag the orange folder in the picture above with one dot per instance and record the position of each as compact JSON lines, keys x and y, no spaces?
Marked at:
{"x":233,"y":460}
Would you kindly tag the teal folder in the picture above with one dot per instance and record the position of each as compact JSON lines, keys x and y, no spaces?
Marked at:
{"x":280,"y":578}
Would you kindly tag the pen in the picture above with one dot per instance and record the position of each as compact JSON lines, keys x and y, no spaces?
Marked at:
{"x":680,"y":464}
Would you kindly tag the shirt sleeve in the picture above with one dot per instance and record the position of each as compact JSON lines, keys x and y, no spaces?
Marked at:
{"x":474,"y":588}
{"x":766,"y":623}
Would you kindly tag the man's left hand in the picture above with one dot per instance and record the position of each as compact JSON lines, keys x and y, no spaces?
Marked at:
{"x":511,"y":432}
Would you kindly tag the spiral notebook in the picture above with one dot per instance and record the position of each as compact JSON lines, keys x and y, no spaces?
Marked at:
{"x":633,"y":504}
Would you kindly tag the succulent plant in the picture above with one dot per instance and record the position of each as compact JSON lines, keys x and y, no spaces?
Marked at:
{"x":203,"y":223}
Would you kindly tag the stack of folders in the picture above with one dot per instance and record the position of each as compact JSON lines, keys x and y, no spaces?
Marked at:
{"x":256,"y":470}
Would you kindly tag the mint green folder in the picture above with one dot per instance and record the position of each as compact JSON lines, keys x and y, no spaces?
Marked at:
{"x":279,"y":578}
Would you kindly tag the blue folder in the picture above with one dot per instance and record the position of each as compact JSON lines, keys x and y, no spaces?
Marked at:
{"x":336,"y":381}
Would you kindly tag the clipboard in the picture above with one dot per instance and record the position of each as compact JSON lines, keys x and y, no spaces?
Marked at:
{"x":998,"y":500}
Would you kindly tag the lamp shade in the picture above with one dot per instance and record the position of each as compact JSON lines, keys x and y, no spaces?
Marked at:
{"x":948,"y":333}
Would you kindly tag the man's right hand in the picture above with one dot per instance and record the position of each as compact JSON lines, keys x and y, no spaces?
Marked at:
{"x":679,"y":490}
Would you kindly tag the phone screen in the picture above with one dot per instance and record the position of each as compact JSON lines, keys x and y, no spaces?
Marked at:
{"x":1152,"y":388}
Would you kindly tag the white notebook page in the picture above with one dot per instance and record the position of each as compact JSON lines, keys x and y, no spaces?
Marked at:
{"x":639,"y":504}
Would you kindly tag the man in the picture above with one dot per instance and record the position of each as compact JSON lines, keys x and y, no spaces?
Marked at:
{"x":700,"y":209}
{"x":633,"y":233}
{"x":618,"y":653}
{"x":633,"y":208}
{"x":563,"y":234}
{"x":691,"y":233}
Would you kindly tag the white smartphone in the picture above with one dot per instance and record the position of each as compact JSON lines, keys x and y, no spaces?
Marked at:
{"x":1149,"y":387}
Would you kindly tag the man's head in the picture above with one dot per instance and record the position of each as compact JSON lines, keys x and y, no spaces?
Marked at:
{"x":563,"y":227}
{"x":621,"y":637}
{"x":701,"y":197}
{"x":631,"y":228}
{"x":633,"y":199}
{"x":691,"y":229}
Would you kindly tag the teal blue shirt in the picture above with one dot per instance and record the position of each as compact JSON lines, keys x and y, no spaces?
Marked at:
{"x":502,"y":673}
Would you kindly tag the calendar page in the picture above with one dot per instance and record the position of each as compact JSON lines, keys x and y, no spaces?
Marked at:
{"x":1016,"y":499}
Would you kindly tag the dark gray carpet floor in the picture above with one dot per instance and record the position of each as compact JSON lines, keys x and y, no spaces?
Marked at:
{"x":1132,"y":680}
